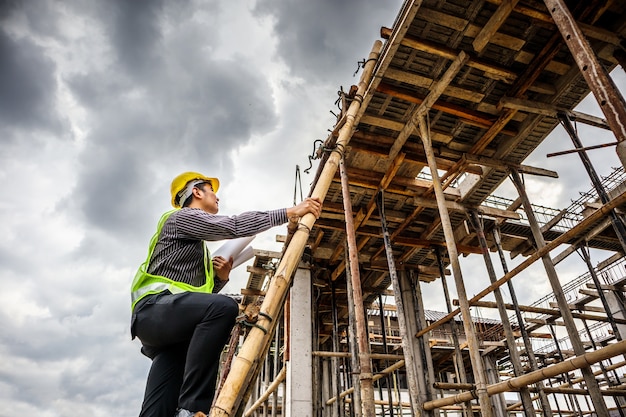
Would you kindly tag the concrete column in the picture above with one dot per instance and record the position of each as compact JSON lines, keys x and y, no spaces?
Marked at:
{"x":493,"y":377}
{"x":299,"y":381}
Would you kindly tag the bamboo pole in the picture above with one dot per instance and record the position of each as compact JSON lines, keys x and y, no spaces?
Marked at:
{"x":365,"y":364}
{"x":269,"y":391}
{"x":375,"y":378}
{"x":513,"y":384}
{"x":574,"y":381}
{"x":257,"y":339}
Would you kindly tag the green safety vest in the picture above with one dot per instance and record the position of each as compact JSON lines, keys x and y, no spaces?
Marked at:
{"x":145,"y":284}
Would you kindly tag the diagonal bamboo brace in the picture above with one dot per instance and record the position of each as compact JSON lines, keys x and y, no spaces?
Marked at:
{"x":243,"y":366}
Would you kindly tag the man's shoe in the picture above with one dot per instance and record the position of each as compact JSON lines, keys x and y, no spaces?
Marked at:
{"x":186,"y":413}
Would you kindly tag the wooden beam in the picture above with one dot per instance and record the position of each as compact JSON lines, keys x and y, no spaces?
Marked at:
{"x":464,"y":208}
{"x":543,"y":321}
{"x":503,"y":165}
{"x":495,"y":21}
{"x":425,"y":243}
{"x":435,"y":92}
{"x":494,"y":71}
{"x":592,"y":32}
{"x":537,"y":107}
{"x":467,"y":116}
{"x":378,"y":145}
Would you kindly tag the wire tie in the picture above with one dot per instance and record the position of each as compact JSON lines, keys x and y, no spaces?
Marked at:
{"x":267,"y":316}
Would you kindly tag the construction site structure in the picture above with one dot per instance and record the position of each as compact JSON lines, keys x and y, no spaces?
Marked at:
{"x":449,"y":105}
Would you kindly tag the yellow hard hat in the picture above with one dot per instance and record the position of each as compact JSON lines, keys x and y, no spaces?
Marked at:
{"x":180,"y":184}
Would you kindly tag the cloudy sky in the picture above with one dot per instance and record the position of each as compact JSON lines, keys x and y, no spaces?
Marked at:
{"x":101,"y":104}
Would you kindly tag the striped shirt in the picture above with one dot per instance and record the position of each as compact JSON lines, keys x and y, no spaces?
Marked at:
{"x":179,"y":253}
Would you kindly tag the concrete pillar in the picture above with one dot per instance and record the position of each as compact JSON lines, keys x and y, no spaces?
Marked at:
{"x":493,"y":377}
{"x":299,"y":381}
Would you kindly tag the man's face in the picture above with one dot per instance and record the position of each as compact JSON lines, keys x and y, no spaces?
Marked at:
{"x":209,"y":200}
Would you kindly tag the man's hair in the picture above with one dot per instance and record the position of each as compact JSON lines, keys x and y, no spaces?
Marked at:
{"x":190,"y":198}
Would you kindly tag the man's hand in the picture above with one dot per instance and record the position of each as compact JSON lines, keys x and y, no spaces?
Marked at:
{"x":222,"y":267}
{"x":311,"y":205}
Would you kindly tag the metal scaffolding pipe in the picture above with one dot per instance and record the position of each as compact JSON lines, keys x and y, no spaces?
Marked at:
{"x":357,"y":407}
{"x":513,"y":384}
{"x":616,"y":222}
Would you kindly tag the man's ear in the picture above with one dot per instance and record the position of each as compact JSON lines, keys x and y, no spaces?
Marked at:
{"x":196,"y":192}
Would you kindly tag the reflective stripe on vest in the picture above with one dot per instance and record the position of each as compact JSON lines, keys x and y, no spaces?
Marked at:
{"x":145,"y":284}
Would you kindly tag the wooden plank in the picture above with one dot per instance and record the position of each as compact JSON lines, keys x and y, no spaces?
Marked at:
{"x":493,"y":71}
{"x":398,"y":126}
{"x":426,"y":82}
{"x":436,"y":91}
{"x":466,"y":115}
{"x":495,"y":21}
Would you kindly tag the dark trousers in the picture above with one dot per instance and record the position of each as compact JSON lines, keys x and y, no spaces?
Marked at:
{"x":184,"y":335}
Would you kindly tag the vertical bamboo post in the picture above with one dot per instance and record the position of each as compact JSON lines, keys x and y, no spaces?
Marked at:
{"x":478,"y":226}
{"x":606,"y":93}
{"x":472,"y":341}
{"x":367,"y":386}
{"x":566,"y":314}
{"x":229,"y":397}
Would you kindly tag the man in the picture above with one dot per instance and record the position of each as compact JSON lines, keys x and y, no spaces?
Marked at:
{"x":182,"y":322}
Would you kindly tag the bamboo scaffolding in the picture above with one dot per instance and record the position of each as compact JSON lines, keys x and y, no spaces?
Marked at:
{"x":375,"y":378}
{"x":553,"y":279}
{"x":574,"y":381}
{"x":574,"y":231}
{"x":270,"y":389}
{"x":549,"y":311}
{"x":478,"y":226}
{"x":472,"y":341}
{"x":248,"y":357}
{"x":513,"y":384}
